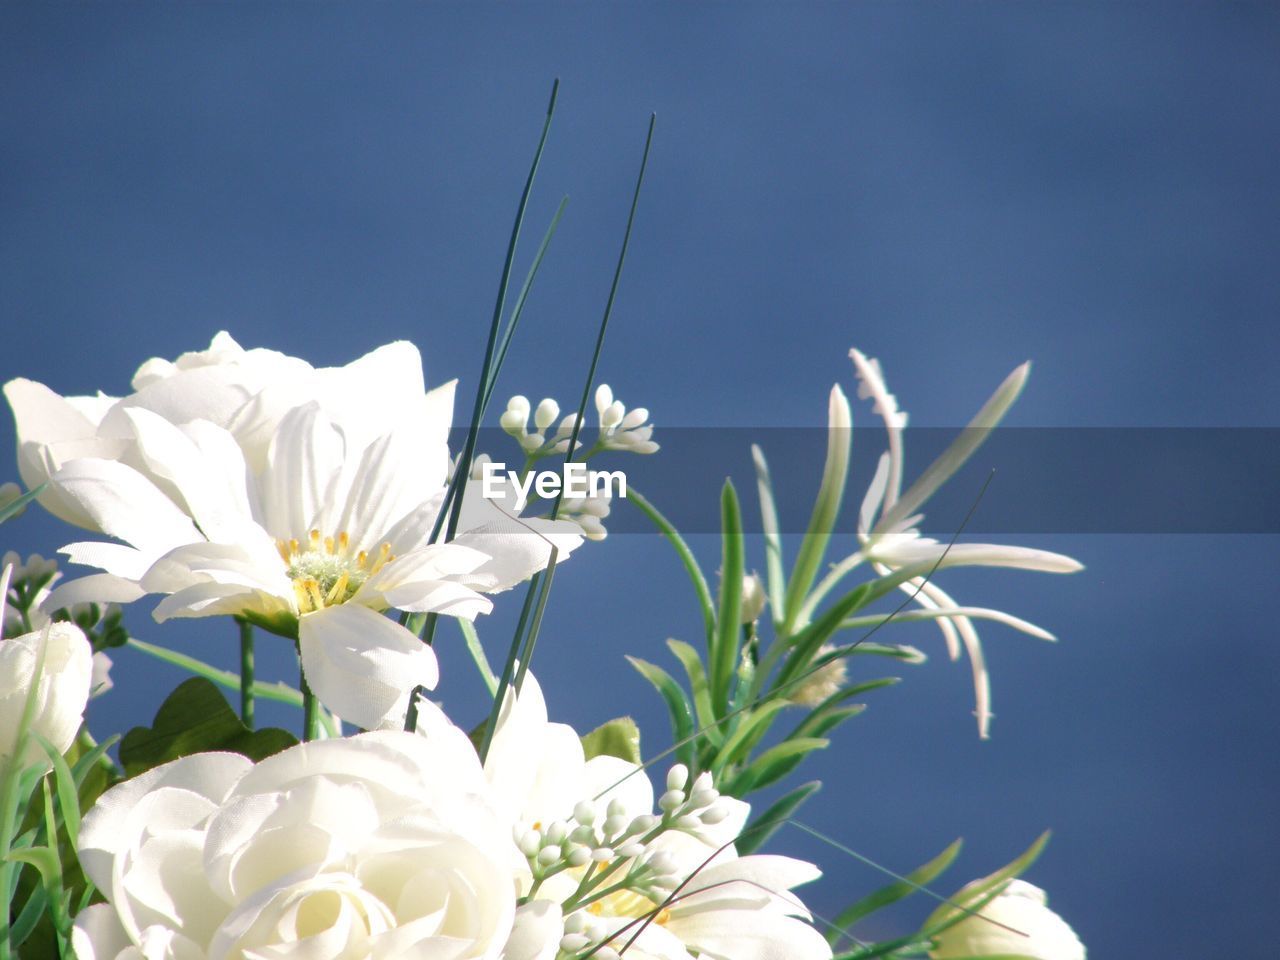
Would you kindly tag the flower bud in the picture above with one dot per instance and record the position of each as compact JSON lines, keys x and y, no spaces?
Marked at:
{"x":1023,"y":926}
{"x":753,"y":598}
{"x":546,"y":413}
{"x":64,"y":660}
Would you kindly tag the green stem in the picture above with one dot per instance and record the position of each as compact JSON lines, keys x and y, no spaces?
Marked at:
{"x":246,"y":673}
{"x":8,"y":814}
{"x":310,"y":713}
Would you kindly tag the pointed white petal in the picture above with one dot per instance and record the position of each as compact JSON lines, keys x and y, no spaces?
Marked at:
{"x":909,"y":551}
{"x":872,"y":386}
{"x":954,"y":457}
{"x":519,"y":548}
{"x":304,"y":467}
{"x":396,"y":473}
{"x":750,"y":935}
{"x":362,"y":665}
{"x":126,"y":505}
{"x":96,"y":588}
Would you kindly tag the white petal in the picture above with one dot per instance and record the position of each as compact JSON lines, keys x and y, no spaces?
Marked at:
{"x":871,"y":385}
{"x":954,"y":457}
{"x":764,"y":878}
{"x":750,"y":935}
{"x":98,"y":934}
{"x":304,"y":468}
{"x":519,"y":548}
{"x":396,"y":474}
{"x":536,"y":934}
{"x":97,"y":588}
{"x":126,"y":505}
{"x":904,"y":551}
{"x":362,"y":665}
{"x":51,"y":430}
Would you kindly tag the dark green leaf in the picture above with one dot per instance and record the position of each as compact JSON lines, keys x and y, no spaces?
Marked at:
{"x":677,"y":706}
{"x":919,"y":877}
{"x":766,"y":824}
{"x":196,"y":718}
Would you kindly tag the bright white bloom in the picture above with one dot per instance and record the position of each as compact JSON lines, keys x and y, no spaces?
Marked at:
{"x":38,"y":570}
{"x":376,"y":847}
{"x":301,"y":499}
{"x":1023,"y":926}
{"x":567,"y":812}
{"x":52,"y":666}
{"x":620,"y":429}
{"x":888,"y":519}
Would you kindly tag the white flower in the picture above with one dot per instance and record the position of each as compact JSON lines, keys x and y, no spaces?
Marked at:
{"x":889,"y":540}
{"x":369,"y":848}
{"x":1017,"y":923}
{"x":620,"y":429}
{"x":51,"y":667}
{"x":601,"y":811}
{"x":304,"y":501}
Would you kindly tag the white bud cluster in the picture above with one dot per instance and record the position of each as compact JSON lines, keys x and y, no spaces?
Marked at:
{"x":589,"y":512}
{"x":584,"y":934}
{"x":539,"y":442}
{"x":620,"y":429}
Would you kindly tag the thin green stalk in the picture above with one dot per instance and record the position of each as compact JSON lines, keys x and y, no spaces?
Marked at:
{"x":527,"y":654}
{"x":477,"y":654}
{"x":484,"y":387}
{"x":246,"y":673}
{"x":278,"y":692}
{"x":310,"y":711}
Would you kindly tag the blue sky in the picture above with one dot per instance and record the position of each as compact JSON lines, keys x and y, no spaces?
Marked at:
{"x":951,"y":188}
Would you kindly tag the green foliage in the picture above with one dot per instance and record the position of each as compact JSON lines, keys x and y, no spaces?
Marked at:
{"x":619,"y":737}
{"x":196,"y":718}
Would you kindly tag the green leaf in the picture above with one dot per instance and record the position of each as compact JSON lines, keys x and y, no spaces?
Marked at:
{"x":818,"y":722}
{"x":808,"y":640}
{"x":279,"y":691}
{"x":772,"y":765}
{"x":766,"y":824}
{"x":973,"y":896}
{"x":754,"y":725}
{"x":66,"y":787}
{"x":196,"y":718}
{"x":686,"y":557}
{"x":919,"y":877}
{"x":723,"y":655}
{"x":775,"y":575}
{"x":692,"y":664}
{"x":826,"y":508}
{"x":15,"y":507}
{"x":677,"y":706}
{"x":619,"y":737}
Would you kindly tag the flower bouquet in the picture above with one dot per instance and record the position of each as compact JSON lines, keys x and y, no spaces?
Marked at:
{"x":333,"y":508}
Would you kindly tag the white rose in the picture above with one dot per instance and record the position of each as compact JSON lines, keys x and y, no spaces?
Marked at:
{"x":1017,"y":923}
{"x":378,"y":846}
{"x":64,"y":660}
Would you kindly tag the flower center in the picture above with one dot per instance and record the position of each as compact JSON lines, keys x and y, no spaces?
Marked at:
{"x":324,"y":570}
{"x":628,"y":903}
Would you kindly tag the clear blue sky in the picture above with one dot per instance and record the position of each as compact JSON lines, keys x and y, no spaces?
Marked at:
{"x":951,"y":188}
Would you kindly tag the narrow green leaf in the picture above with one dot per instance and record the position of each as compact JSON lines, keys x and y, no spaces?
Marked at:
{"x":811,"y":638}
{"x":65,"y":784}
{"x":764,"y":826}
{"x":753,"y":726}
{"x":772,"y":765}
{"x":279,"y":692}
{"x":776,"y":578}
{"x":16,"y":506}
{"x":974,"y":895}
{"x":892,"y":893}
{"x":677,"y":706}
{"x":723,"y":655}
{"x":619,"y":737}
{"x":815,"y":723}
{"x":826,"y":508}
{"x":692,"y":664}
{"x":477,"y":654}
{"x":687,"y":558}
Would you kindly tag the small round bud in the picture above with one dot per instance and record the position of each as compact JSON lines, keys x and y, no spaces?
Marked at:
{"x":556,"y":833}
{"x":573,"y":943}
{"x":713,"y":815}
{"x":688,"y":822}
{"x":616,"y":808}
{"x":629,"y":851}
{"x":575,"y":923}
{"x":546,"y":413}
{"x":671,"y":800}
{"x":530,"y":843}
{"x":578,"y":857}
{"x":549,"y":855}
{"x":602,"y":854}
{"x":585,"y":812}
{"x":677,"y":777}
{"x":753,"y":598}
{"x":614,"y":825}
{"x":643,"y":824}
